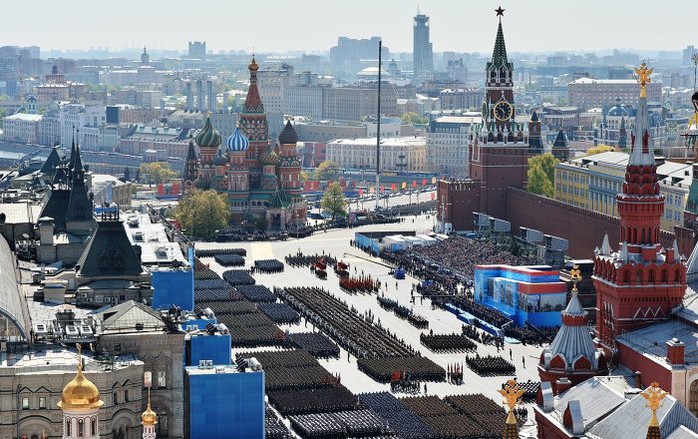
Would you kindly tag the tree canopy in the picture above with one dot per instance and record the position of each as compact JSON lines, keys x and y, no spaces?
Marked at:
{"x":413,"y":118}
{"x":599,"y":149}
{"x":157,"y":172}
{"x":541,"y":174}
{"x":327,"y":170}
{"x":333,"y":201}
{"x":202,"y":213}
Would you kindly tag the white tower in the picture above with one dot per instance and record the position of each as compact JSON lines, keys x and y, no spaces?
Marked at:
{"x":80,"y":403}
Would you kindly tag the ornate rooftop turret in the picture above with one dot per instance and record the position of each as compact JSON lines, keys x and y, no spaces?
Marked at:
{"x":288,"y":135}
{"x":237,"y":142}
{"x":253,"y":102}
{"x":572,"y":353}
{"x":208,"y":137}
{"x":149,"y":420}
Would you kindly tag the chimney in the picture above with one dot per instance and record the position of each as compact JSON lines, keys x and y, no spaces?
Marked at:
{"x":675,"y":351}
{"x":562,"y":385}
{"x":638,"y":379}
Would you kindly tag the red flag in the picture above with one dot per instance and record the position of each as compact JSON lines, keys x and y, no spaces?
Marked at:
{"x":392,"y":187}
{"x":361,"y":192}
{"x":414,"y":183}
{"x":382,"y":188}
{"x":161,"y":189}
{"x":424,"y":182}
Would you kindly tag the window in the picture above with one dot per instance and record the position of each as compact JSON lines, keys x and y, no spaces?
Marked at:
{"x":116,"y":398}
{"x":25,"y":404}
{"x":125,"y":395}
{"x":81,"y":428}
{"x":162,"y":381}
{"x":93,"y":427}
{"x":42,"y":402}
{"x":68,"y":425}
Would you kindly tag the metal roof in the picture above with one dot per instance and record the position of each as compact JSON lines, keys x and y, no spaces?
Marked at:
{"x":11,"y":301}
{"x":632,"y":419}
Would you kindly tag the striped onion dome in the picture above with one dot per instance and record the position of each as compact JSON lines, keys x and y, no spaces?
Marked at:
{"x":237,"y":142}
{"x":208,"y":137}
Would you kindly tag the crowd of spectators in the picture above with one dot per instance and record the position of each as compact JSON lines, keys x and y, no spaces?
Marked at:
{"x":462,"y":254}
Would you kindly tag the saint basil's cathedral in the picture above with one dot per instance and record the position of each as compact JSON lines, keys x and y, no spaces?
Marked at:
{"x":260,"y":181}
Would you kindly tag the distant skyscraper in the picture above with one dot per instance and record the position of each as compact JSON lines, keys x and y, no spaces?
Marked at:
{"x":688,"y":54}
{"x":422,"y":55}
{"x":197,"y":50}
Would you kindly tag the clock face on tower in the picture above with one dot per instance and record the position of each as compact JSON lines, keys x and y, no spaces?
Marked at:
{"x":503,"y":111}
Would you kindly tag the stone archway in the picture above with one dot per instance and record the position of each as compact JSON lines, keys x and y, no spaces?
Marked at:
{"x":693,"y":398}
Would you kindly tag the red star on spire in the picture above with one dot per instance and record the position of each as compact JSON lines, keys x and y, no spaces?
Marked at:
{"x":500,"y":11}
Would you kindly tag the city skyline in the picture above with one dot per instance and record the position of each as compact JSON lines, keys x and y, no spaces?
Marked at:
{"x":455,"y":26}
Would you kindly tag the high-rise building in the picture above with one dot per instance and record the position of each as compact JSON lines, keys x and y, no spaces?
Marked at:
{"x":422,"y":54}
{"x":688,"y":55}
{"x":197,"y":50}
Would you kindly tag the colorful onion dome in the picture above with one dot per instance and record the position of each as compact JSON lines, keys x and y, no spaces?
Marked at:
{"x":269,"y":158}
{"x":237,"y":142}
{"x":288,"y":135}
{"x":253,"y":65}
{"x":208,"y":137}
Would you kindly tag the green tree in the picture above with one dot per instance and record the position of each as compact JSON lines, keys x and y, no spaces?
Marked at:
{"x":414,"y":119}
{"x":599,"y":149}
{"x":327,"y":170}
{"x":202,"y":213}
{"x":541,"y":174}
{"x":333,"y":201}
{"x":157,"y":172}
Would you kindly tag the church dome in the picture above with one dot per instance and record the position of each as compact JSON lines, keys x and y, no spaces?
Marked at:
{"x":80,"y":393}
{"x":253,"y":65}
{"x":149,"y":417}
{"x":618,"y":110}
{"x":237,"y":142}
{"x":270,"y":158}
{"x":208,"y":137}
{"x":288,"y":135}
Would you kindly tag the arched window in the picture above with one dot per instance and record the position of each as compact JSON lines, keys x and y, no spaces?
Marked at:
{"x":81,"y":428}
{"x":68,"y":425}
{"x":93,"y":426}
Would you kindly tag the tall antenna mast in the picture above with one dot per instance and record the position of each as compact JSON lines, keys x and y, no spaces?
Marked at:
{"x":378,"y":128}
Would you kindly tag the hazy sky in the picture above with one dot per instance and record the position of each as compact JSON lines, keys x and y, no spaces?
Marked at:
{"x":311,"y":25}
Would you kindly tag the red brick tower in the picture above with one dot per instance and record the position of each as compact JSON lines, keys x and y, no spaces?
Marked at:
{"x":641,"y":283}
{"x":253,"y":122}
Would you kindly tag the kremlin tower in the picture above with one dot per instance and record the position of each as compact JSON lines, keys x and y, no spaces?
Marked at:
{"x":191,"y":167}
{"x":253,"y":123}
{"x":80,"y":403}
{"x":639,"y":284}
{"x":572,"y":354}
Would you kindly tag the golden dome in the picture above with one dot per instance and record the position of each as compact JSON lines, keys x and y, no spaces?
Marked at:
{"x":253,"y":65}
{"x":80,"y":393}
{"x":149,"y":417}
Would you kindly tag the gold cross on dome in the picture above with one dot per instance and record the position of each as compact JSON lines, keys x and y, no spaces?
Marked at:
{"x":643,"y":77}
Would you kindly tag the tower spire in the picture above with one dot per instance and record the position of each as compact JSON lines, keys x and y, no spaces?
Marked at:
{"x":499,"y":54}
